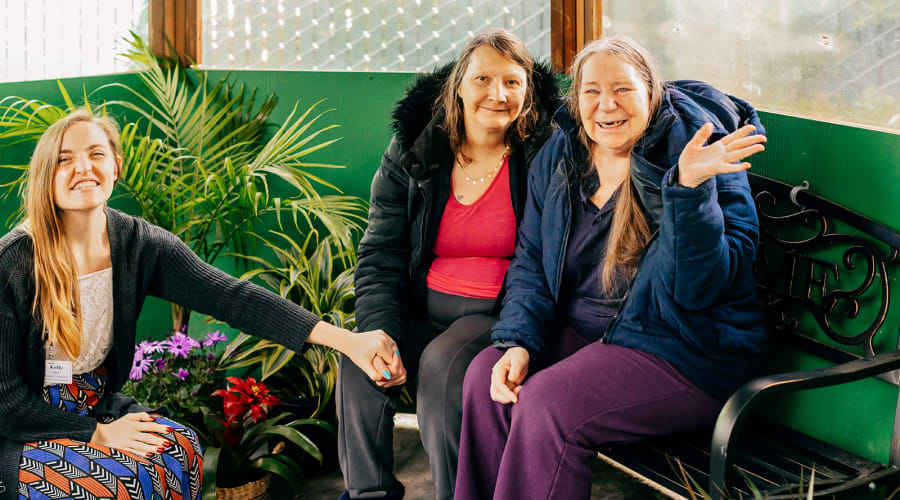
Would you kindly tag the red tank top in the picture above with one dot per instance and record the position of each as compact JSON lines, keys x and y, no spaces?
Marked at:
{"x":475,"y":243}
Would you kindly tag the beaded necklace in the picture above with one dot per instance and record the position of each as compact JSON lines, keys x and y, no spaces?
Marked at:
{"x":489,"y":174}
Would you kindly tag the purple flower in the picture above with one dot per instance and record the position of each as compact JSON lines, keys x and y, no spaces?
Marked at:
{"x":159,"y":364}
{"x":180,"y":345}
{"x":138,"y":354}
{"x":148,"y":347}
{"x":181,"y":373}
{"x":213,"y":338}
{"x":139,"y":368}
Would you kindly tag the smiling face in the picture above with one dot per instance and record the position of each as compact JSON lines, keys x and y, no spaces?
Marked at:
{"x":613,"y":103}
{"x":492,"y":90}
{"x":86,"y":170}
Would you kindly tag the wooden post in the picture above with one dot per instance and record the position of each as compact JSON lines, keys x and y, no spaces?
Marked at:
{"x":176,"y":24}
{"x":573,"y":23}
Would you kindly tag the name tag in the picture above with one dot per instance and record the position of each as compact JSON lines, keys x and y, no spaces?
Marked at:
{"x":58,"y":372}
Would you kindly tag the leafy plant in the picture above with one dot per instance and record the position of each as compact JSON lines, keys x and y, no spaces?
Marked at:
{"x":317,"y":275}
{"x":198,"y":163}
{"x":241,"y":440}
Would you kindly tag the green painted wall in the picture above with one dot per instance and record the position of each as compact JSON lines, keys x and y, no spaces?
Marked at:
{"x":856,"y":167}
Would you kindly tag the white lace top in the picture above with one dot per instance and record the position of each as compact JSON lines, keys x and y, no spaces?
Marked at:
{"x":96,"y":292}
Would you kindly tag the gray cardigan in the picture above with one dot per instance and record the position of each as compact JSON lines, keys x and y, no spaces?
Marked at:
{"x":146,"y":260}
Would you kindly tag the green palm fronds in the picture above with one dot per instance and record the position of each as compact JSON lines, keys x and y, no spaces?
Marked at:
{"x":214,"y":186}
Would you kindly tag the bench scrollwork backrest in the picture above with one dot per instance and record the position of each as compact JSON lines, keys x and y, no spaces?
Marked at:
{"x":818,"y":259}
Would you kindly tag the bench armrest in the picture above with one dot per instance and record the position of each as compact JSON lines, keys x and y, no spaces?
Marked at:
{"x":741,"y":402}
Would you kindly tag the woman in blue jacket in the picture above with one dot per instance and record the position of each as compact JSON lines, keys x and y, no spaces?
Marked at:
{"x":631,"y":299}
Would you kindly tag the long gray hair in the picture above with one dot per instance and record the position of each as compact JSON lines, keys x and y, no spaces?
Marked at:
{"x":630,"y":232}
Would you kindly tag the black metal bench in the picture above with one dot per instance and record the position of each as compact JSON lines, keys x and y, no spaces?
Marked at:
{"x":824,"y":276}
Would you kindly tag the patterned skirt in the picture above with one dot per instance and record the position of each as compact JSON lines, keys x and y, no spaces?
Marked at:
{"x":63,"y":468}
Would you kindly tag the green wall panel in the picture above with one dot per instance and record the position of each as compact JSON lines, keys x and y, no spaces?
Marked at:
{"x":856,"y":167}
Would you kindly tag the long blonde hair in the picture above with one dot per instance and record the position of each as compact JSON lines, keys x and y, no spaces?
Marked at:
{"x":630,"y":232}
{"x":56,"y":294}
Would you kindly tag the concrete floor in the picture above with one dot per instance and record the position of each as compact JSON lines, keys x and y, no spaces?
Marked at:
{"x":411,"y":468}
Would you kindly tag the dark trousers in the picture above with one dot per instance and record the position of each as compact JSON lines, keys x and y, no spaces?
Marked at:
{"x":590,"y":394}
{"x":438,"y":353}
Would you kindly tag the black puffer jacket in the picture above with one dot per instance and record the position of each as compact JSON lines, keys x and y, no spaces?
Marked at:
{"x":409,"y":193}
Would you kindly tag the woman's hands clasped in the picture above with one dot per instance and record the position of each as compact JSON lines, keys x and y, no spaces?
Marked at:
{"x":377,"y":355}
{"x":135,"y":432}
{"x":374,"y":352}
{"x":698,"y":163}
{"x":508,"y":375}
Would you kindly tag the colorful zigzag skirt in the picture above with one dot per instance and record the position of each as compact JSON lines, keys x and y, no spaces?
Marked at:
{"x":64,"y":468}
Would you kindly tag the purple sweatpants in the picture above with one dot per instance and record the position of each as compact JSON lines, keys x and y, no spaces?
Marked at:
{"x":590,"y":394}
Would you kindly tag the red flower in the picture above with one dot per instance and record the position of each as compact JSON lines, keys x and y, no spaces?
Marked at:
{"x":246,"y":399}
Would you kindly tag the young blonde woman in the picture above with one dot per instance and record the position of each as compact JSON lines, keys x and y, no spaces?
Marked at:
{"x":631,"y":308}
{"x":446,"y":203}
{"x":74,"y":277}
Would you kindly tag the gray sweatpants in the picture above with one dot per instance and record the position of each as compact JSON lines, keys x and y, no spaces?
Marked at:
{"x":439,"y":351}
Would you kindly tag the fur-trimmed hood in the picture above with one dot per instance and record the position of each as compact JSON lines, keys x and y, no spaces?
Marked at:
{"x":412,"y":114}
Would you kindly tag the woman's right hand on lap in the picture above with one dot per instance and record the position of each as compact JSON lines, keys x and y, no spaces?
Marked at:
{"x":508,"y":375}
{"x":135,"y":432}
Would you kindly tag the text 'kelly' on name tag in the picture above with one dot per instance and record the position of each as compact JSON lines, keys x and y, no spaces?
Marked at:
{"x":58,"y":372}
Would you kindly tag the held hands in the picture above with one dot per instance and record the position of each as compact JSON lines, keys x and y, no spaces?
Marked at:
{"x":508,"y":374}
{"x":376,"y":354}
{"x":135,"y":432}
{"x":698,"y":163}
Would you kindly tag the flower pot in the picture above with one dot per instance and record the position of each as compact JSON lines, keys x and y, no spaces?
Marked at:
{"x":254,"y":490}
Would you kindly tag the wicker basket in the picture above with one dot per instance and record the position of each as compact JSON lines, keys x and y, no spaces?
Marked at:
{"x":254,"y":490}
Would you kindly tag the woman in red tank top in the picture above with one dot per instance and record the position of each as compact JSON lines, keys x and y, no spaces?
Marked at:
{"x":442,"y":229}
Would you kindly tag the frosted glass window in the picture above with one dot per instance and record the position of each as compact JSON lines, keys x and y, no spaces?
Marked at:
{"x":41,"y":39}
{"x":360,"y":35}
{"x":834,"y":60}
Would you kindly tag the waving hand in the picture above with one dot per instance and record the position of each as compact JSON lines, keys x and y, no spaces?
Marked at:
{"x":698,"y":163}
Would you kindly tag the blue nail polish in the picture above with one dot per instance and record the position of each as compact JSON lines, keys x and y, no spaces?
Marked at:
{"x":397,"y":352}
{"x":387,"y":374}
